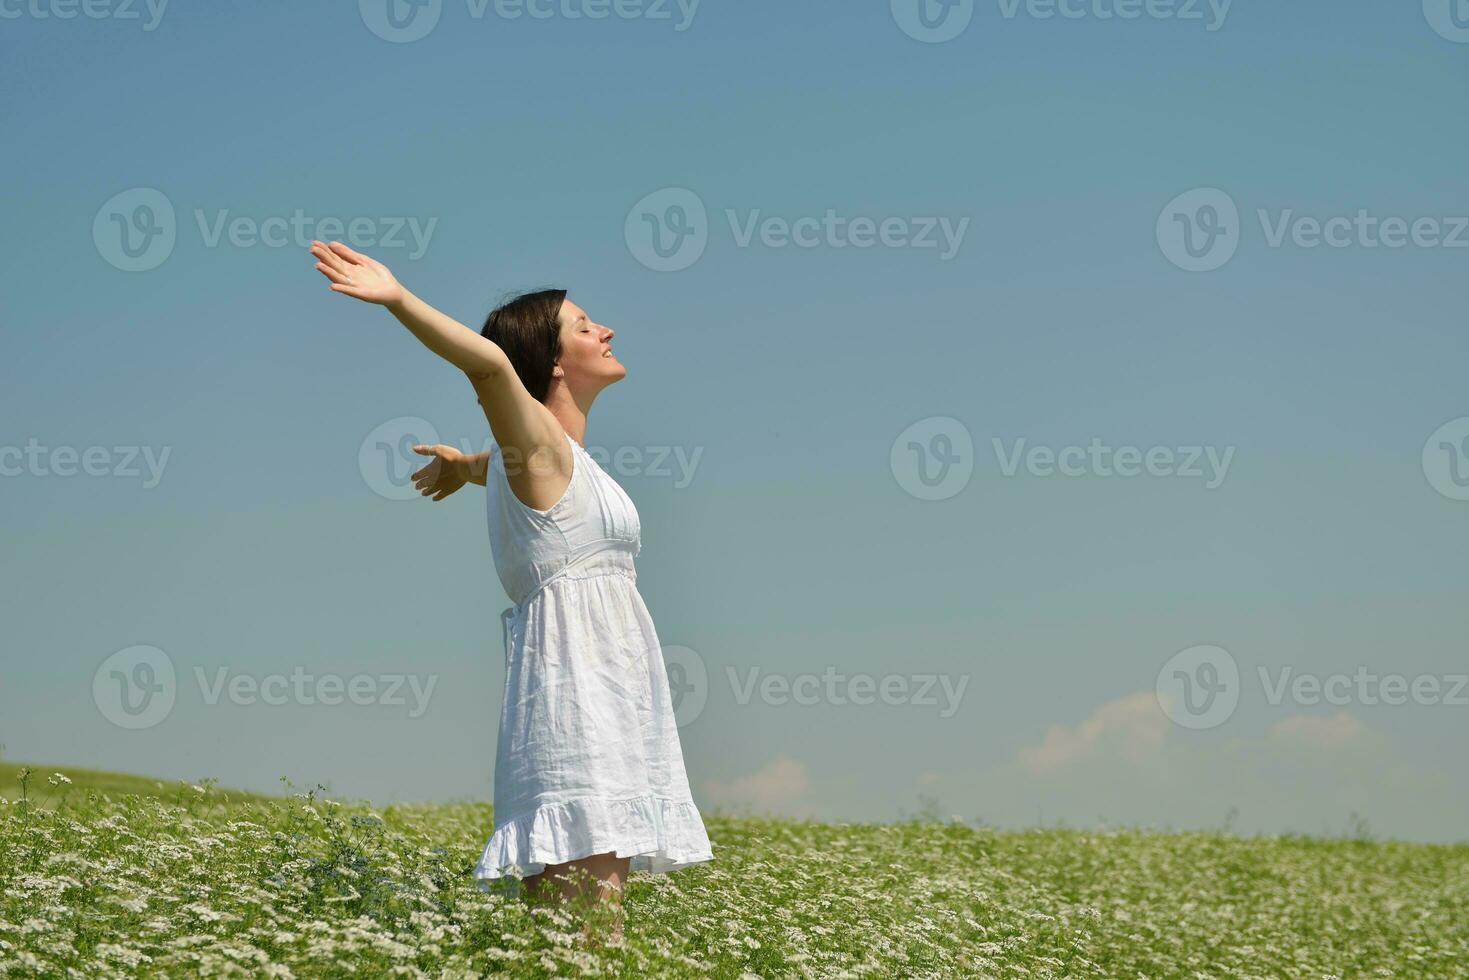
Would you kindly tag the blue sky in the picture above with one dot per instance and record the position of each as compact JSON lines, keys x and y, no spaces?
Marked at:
{"x":529,"y":151}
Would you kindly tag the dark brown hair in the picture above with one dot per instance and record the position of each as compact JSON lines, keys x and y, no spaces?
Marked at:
{"x":527,"y":330}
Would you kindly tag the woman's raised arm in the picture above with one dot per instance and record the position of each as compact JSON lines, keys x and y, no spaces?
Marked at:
{"x":523,"y":427}
{"x":367,"y":279}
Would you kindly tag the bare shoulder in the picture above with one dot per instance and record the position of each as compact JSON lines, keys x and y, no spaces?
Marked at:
{"x":533,"y":447}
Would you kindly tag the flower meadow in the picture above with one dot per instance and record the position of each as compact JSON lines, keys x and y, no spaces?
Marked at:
{"x":192,"y":881}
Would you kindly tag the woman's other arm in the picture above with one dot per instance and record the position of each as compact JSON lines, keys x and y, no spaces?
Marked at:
{"x":448,"y":470}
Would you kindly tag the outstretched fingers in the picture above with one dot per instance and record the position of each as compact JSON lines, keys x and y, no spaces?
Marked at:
{"x":342,"y":283}
{"x":354,"y":257}
{"x":335,"y":275}
{"x":328,"y":257}
{"x":430,"y":465}
{"x":338,"y":271}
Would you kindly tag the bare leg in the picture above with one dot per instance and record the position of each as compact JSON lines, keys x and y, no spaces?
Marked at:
{"x":594,"y":882}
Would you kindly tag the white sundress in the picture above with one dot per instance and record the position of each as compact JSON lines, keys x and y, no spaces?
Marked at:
{"x":589,"y":759}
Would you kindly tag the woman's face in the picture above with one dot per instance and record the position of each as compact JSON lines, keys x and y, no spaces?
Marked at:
{"x":586,"y":360}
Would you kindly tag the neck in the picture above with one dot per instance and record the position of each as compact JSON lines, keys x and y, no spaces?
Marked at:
{"x":570,"y":411}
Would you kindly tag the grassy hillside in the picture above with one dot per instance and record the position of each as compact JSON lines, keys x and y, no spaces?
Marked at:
{"x":145,"y":885}
{"x":101,"y":781}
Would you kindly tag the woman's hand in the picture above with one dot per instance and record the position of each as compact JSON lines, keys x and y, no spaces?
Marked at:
{"x":445,"y":473}
{"x":356,"y":274}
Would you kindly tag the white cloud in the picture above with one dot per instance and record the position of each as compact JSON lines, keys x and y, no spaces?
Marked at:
{"x":1302,"y":774}
{"x":779,"y":787}
{"x":1133,"y":727}
{"x":1316,"y":731}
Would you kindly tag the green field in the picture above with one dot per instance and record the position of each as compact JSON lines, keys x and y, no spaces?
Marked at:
{"x":125,"y":876}
{"x":102,"y":781}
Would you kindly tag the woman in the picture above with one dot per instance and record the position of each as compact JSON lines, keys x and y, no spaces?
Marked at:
{"x":589,"y":773}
